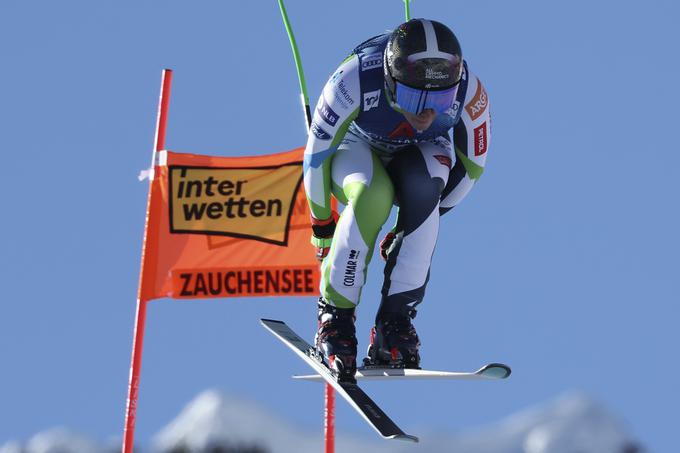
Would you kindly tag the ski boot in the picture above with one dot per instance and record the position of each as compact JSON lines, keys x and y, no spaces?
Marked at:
{"x":336,"y":340}
{"x":394,"y":342}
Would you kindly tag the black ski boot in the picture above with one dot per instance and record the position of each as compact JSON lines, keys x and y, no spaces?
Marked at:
{"x":336,"y":340}
{"x":394,"y":342}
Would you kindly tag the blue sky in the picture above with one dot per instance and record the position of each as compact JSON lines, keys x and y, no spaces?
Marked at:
{"x":560,"y":262}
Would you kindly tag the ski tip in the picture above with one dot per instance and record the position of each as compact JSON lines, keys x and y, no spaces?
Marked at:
{"x":269,"y":321}
{"x":495,"y":371}
{"x":405,"y":437}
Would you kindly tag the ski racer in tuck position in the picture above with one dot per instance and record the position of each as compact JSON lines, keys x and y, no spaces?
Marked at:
{"x":380,"y":136}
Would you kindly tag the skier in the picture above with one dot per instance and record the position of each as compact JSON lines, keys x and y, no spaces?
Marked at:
{"x":380,"y":136}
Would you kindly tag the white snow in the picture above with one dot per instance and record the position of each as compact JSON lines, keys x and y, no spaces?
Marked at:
{"x":56,"y":440}
{"x":569,"y":424}
{"x":213,"y":418}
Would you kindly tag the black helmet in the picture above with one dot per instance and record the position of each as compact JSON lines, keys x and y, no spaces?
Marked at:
{"x":423,"y":54}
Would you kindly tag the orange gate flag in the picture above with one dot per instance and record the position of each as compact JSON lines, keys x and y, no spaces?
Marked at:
{"x":228,"y":227}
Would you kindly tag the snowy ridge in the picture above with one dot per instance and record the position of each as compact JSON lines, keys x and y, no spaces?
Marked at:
{"x":571,"y":423}
{"x":213,"y":419}
{"x":57,"y":440}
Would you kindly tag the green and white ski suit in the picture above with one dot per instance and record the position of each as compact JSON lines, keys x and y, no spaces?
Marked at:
{"x":362,"y":151}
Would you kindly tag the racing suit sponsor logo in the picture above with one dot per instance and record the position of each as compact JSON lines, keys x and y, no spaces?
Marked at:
{"x":342,"y":94}
{"x":319,"y":132}
{"x":327,"y":113}
{"x":481,"y":141}
{"x":478,"y":103}
{"x":371,"y":100}
{"x":372,"y":61}
{"x":444,"y":160}
{"x":351,"y":268}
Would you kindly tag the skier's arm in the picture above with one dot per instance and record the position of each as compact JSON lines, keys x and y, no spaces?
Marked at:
{"x":471,"y":138}
{"x":337,"y":107}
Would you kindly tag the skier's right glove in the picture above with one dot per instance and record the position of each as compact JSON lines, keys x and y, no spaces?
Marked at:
{"x":322,"y":234}
{"x":386,"y":243}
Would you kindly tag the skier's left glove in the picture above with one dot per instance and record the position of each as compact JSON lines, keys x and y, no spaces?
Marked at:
{"x":322,"y":234}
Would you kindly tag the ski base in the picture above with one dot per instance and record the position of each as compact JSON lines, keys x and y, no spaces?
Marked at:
{"x":352,"y":393}
{"x":492,"y":371}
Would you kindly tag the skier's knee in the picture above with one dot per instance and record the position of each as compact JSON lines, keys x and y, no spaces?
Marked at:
{"x":374,"y":201}
{"x":425,"y":192}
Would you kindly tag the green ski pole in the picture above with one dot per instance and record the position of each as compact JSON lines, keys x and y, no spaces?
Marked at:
{"x":298,"y":64}
{"x":407,"y":8}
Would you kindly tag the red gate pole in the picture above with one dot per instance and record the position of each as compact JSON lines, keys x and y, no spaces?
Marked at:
{"x":329,"y":418}
{"x":140,"y":320}
{"x":329,"y":395}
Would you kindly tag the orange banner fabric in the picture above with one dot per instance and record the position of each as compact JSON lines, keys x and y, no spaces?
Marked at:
{"x":228,"y":227}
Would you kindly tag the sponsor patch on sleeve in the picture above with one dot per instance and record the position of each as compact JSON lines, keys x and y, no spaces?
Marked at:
{"x":477,"y":105}
{"x":319,"y":132}
{"x":327,"y":113}
{"x":342,"y":94}
{"x":372,"y":61}
{"x":371,"y":100}
{"x":481,"y":140}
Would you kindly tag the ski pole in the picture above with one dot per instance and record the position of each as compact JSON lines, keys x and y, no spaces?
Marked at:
{"x":329,"y":392}
{"x":407,"y":9}
{"x":298,"y":64}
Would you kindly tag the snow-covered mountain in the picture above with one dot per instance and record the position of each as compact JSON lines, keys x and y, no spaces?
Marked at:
{"x":57,"y":440}
{"x":215,"y":419}
{"x":572,"y":423}
{"x":214,"y":422}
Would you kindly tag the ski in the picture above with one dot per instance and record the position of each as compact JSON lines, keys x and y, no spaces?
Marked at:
{"x":352,"y":393}
{"x":491,"y":371}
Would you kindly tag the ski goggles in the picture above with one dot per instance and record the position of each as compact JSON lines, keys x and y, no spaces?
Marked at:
{"x":415,"y":100}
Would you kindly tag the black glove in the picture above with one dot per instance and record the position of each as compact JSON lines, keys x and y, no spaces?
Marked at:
{"x":322,"y":234}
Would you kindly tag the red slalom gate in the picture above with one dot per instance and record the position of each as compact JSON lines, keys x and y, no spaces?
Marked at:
{"x":142,"y":300}
{"x":140,"y":320}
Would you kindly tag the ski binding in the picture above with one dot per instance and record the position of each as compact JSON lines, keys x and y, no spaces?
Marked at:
{"x":351,"y":392}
